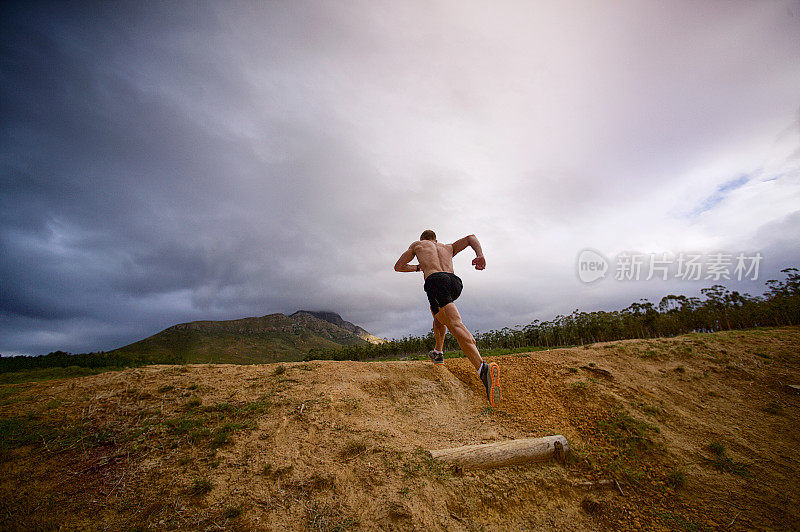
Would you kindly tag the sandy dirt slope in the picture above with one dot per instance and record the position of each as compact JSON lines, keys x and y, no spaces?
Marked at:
{"x":698,"y":431}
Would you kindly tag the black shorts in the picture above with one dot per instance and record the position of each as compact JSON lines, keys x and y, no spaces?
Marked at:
{"x":442,"y":288}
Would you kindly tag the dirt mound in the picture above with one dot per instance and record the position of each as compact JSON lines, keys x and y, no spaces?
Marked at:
{"x":664,"y":434}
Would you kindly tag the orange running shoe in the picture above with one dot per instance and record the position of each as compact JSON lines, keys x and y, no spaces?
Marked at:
{"x":490,"y":375}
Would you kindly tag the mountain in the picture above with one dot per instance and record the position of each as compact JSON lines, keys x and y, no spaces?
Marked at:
{"x":332,"y":317}
{"x":270,"y":338}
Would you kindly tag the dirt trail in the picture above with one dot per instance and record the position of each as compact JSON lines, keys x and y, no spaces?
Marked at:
{"x":337,"y":445}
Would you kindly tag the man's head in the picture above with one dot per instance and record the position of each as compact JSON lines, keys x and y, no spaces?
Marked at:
{"x":428,"y":234}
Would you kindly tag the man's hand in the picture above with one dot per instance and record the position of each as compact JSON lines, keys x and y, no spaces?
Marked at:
{"x":479,"y":262}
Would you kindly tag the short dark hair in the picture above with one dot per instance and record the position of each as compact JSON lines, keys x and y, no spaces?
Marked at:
{"x":427,"y":234}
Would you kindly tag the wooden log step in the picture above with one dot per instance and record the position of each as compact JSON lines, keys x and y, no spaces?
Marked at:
{"x":504,"y":453}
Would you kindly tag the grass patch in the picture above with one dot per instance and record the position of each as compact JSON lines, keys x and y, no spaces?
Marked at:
{"x":723,"y":463}
{"x":679,"y":522}
{"x":649,"y":354}
{"x":11,"y":394}
{"x":259,"y":406}
{"x":627,"y":433}
{"x":183,"y":424}
{"x":435,"y":468}
{"x":45,"y":374}
{"x":717,"y":448}
{"x":412,"y":467}
{"x":322,"y":516}
{"x":194,"y":402}
{"x":421,"y":463}
{"x":631,"y":475}
{"x":774,"y":407}
{"x":166,"y":388}
{"x":676,"y":478}
{"x":223,"y":408}
{"x":653,"y":410}
{"x":353,"y":447}
{"x":51,"y":404}
{"x":198,"y":435}
{"x":214,"y":423}
{"x":351,"y":403}
{"x":221,"y":435}
{"x":681,"y":350}
{"x":19,"y":431}
{"x":231,"y":512}
{"x":16,"y":431}
{"x":199,"y":487}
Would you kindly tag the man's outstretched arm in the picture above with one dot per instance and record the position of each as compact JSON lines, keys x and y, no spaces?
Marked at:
{"x":471,"y":241}
{"x":402,"y":264}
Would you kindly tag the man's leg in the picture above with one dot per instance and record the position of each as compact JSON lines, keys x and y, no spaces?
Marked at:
{"x":488,"y":373}
{"x":449,"y":315}
{"x":439,"y":330}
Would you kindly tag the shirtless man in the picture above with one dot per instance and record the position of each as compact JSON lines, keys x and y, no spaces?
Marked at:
{"x":443,"y":288}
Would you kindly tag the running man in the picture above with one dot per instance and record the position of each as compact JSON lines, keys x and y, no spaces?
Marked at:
{"x":443,"y":288}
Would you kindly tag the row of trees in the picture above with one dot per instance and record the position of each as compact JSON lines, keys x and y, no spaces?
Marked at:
{"x":718,"y":309}
{"x":100,"y":359}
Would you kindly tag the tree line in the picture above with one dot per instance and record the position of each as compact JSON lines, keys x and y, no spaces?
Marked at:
{"x":99,"y":359}
{"x":718,"y":309}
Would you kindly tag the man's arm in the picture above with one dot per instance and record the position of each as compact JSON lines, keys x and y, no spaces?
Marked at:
{"x":402,"y":264}
{"x":471,"y":241}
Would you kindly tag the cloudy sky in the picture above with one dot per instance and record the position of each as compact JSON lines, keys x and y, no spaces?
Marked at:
{"x":163,"y":162}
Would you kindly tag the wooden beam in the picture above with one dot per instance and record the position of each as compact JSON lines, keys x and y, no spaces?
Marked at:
{"x":502,"y":453}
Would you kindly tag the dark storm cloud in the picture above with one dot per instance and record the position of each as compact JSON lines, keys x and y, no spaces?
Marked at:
{"x":113,"y":190}
{"x":140,"y":168}
{"x":167,"y":161}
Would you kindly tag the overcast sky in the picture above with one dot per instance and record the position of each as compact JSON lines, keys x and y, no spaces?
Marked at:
{"x":163,"y":162}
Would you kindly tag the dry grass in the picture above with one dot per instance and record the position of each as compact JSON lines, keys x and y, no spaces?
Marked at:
{"x":332,"y":446}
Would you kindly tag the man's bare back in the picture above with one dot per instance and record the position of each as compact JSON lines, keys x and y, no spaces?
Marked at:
{"x":435,"y":257}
